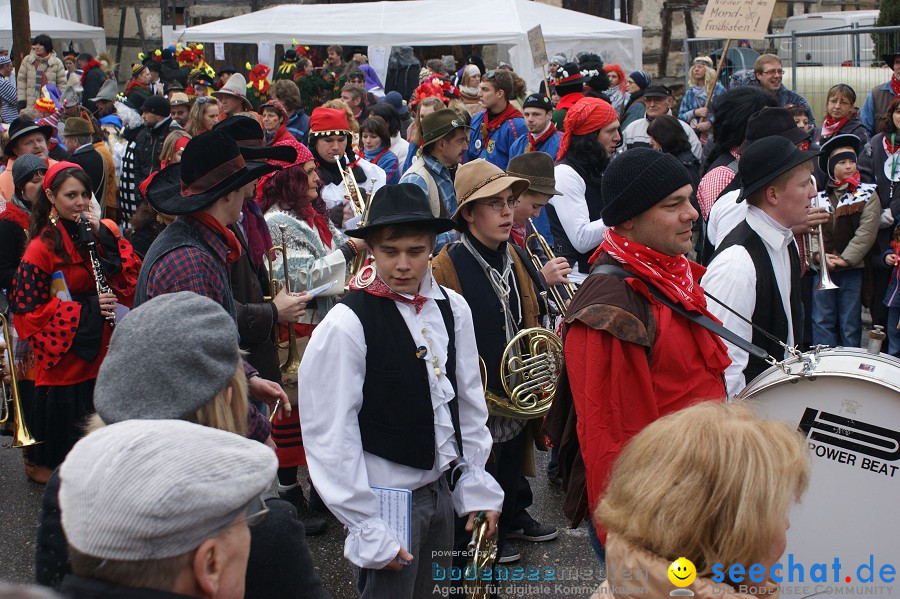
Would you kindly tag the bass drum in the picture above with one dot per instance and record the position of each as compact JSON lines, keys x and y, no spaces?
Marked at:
{"x":847,"y":403}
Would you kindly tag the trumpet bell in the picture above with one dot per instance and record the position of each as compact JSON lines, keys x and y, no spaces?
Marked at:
{"x":10,"y":398}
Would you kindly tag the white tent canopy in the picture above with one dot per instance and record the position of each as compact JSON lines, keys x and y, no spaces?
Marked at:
{"x":60,"y":31}
{"x":434,"y":23}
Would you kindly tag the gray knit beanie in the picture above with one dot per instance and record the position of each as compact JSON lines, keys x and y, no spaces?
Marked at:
{"x":636,"y":180}
{"x":166,"y":359}
{"x":152,"y":489}
{"x":24,"y":167}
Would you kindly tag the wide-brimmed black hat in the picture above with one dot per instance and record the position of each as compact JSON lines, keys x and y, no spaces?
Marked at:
{"x":772,"y":121}
{"x":844,"y":140}
{"x":248,"y":134}
{"x":21,"y":127}
{"x":766,"y":159}
{"x":401,"y":204}
{"x":211,"y":167}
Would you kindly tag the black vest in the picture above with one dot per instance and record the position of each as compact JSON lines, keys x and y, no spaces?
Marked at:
{"x":561,"y":244}
{"x":396,"y":421}
{"x":768,"y":311}
{"x":181,"y":234}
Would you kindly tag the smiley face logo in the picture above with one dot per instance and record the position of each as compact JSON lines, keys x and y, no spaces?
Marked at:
{"x":682,"y":572}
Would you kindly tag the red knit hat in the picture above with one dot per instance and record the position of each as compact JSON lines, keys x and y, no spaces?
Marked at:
{"x":586,"y":116}
{"x":45,"y":105}
{"x":324,"y":122}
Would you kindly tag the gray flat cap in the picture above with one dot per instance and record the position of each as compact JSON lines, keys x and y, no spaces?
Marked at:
{"x":166,"y":359}
{"x":151,"y":489}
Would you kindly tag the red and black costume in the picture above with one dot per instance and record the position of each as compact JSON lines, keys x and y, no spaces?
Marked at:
{"x":68,"y":338}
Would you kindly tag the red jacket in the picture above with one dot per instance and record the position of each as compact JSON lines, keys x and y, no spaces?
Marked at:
{"x":50,"y":324}
{"x":617,"y":389}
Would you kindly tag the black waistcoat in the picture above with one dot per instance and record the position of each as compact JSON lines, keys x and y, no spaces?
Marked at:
{"x":768,"y":311}
{"x":396,"y":421}
{"x":562,"y":246}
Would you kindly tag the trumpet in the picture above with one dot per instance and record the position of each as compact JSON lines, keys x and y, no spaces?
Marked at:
{"x":560,"y":293}
{"x":825,"y":281}
{"x":9,"y":394}
{"x":351,"y":187}
{"x":483,"y":551}
{"x":292,"y":360}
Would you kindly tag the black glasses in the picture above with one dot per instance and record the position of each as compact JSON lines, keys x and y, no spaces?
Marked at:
{"x":256,"y":511}
{"x":499,"y":205}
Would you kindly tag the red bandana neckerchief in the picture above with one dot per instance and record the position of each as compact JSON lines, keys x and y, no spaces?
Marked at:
{"x":676,"y":277}
{"x":489,"y":125}
{"x":517,"y":232}
{"x":889,"y":146}
{"x":534,"y":143}
{"x":379,"y":288}
{"x":852,"y":182}
{"x":895,"y":86}
{"x":234,"y":246}
{"x":831,"y":126}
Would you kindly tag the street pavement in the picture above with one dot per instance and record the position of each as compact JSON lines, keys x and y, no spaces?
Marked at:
{"x":564,"y":567}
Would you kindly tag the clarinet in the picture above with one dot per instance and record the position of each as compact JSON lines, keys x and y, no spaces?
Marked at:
{"x":87,"y":236}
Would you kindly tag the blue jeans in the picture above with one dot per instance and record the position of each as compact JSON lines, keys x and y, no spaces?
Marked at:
{"x":893,"y":333}
{"x":837,"y":313}
{"x":596,"y":545}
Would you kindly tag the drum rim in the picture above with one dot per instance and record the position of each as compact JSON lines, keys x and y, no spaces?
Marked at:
{"x":749,"y":390}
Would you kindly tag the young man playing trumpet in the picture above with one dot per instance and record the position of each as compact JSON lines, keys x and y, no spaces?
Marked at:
{"x":404,"y":402}
{"x":487,"y":270}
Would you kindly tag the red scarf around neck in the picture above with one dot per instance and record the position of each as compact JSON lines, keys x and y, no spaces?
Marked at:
{"x":889,"y":145}
{"x":852,"y":182}
{"x":92,"y":64}
{"x":675,"y":276}
{"x":895,"y":86}
{"x":379,"y":288}
{"x":234,"y":246}
{"x":831,"y":126}
{"x":489,"y":125}
{"x":534,"y":143}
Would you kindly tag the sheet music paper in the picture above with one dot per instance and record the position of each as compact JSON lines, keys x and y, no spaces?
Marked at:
{"x":395,"y":508}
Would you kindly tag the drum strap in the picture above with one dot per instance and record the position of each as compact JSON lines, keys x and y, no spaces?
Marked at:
{"x":704,"y":321}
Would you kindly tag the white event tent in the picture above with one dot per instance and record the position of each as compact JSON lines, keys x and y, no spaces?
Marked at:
{"x":382,"y":25}
{"x":60,"y":31}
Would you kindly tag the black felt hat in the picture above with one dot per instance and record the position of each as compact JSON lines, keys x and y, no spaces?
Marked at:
{"x":211,"y":167}
{"x":248,"y":134}
{"x":844,"y":140}
{"x":21,"y":127}
{"x":766,"y":159}
{"x":772,"y":121}
{"x":401,"y":204}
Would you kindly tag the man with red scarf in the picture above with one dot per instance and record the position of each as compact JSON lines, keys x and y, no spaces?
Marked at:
{"x":542,"y":133}
{"x":629,"y":358}
{"x":881,"y":95}
{"x":500,"y":124}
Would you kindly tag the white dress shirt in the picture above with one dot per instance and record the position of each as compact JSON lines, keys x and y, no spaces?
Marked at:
{"x":330,"y":381}
{"x":726,"y":214}
{"x":572,"y":212}
{"x":732,"y":278}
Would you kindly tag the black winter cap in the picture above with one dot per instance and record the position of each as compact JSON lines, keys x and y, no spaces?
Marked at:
{"x":637,"y":180}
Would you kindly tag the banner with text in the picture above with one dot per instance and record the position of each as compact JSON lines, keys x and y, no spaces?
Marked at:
{"x":736,"y":19}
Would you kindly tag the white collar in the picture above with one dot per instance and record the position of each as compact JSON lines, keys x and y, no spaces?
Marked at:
{"x":774,"y":234}
{"x":428,"y":288}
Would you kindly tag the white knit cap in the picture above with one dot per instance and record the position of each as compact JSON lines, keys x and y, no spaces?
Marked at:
{"x":151,"y":489}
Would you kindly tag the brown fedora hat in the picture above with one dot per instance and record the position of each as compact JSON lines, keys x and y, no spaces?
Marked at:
{"x":480,"y":179}
{"x":538,"y":168}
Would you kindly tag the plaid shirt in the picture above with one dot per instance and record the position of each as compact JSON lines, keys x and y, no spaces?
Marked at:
{"x":444,"y":181}
{"x":191,"y":269}
{"x":712,"y":184}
